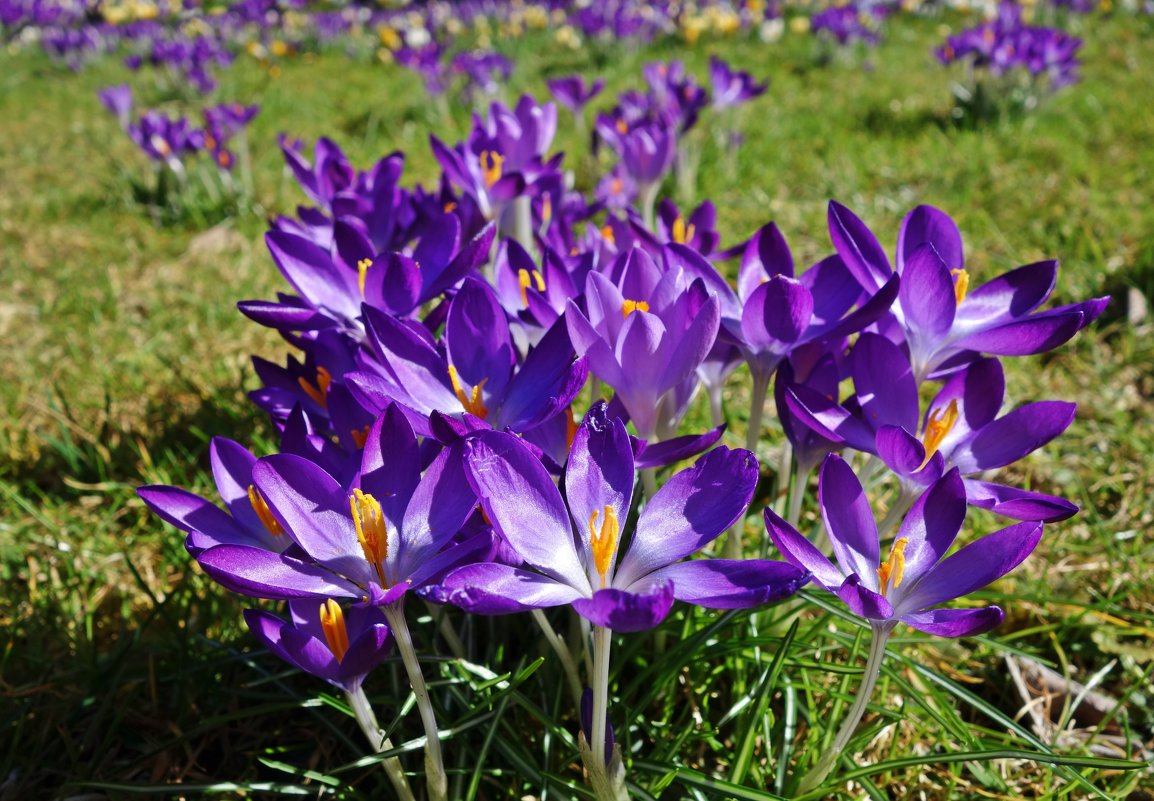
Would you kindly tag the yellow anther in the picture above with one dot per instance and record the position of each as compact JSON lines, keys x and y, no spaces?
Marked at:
{"x":360,"y":436}
{"x":271,"y":524}
{"x":894,"y":567}
{"x":161,"y":146}
{"x":224,"y":159}
{"x":362,"y":273}
{"x":938,"y":427}
{"x":491,"y":167}
{"x":630,"y":306}
{"x":372,"y":532}
{"x":622,"y":127}
{"x":450,"y":207}
{"x":209,"y":142}
{"x":961,"y":284}
{"x":472,"y":401}
{"x":318,"y":391}
{"x":683,"y":233}
{"x":616,"y":187}
{"x":603,"y":541}
{"x":526,"y":279}
{"x":607,"y":235}
{"x":333,"y":625}
{"x":547,"y":208}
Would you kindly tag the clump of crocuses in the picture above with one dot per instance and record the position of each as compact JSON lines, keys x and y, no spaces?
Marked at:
{"x":492,"y":378}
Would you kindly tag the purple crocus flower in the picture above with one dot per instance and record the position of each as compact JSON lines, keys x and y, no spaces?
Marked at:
{"x":572,"y":93}
{"x":917,"y":577}
{"x":376,"y":540}
{"x":732,"y":87}
{"x":960,"y":427}
{"x":944,"y":322}
{"x":572,"y":546}
{"x":118,"y":101}
{"x":341,"y":646}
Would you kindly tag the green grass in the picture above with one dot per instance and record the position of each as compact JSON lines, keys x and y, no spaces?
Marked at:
{"x":124,"y":671}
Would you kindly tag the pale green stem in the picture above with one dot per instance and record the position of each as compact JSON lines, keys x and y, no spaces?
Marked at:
{"x":436,"y":780}
{"x":797,"y":490}
{"x":873,"y":669}
{"x":602,"y":639}
{"x":648,"y":198}
{"x":367,"y":720}
{"x":563,"y":653}
{"x":752,"y":435}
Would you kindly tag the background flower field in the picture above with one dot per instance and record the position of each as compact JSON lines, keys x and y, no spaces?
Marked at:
{"x":123,"y":672}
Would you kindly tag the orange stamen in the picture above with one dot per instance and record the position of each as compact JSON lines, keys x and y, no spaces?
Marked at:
{"x":372,"y":533}
{"x":491,"y":167}
{"x":472,"y":401}
{"x":894,"y":567}
{"x":525,"y":279}
{"x":938,"y":427}
{"x":603,"y":541}
{"x":333,"y":625}
{"x":271,"y":524}
{"x":360,"y":436}
{"x":362,"y":273}
{"x":683,"y":233}
{"x":318,"y":392}
{"x":630,"y":306}
{"x":961,"y":284}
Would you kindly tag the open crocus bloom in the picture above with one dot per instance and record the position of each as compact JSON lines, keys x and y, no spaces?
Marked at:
{"x":917,"y":576}
{"x":572,"y":547}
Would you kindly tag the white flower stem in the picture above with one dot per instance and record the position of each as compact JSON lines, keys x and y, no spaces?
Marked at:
{"x":435,"y":778}
{"x":602,"y":639}
{"x":752,"y":435}
{"x":367,"y":720}
{"x":873,"y":669}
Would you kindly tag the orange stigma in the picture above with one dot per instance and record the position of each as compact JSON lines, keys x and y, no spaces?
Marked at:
{"x":491,"y":167}
{"x":372,"y":533}
{"x":450,"y":207}
{"x":547,"y":209}
{"x":472,"y":401}
{"x":961,"y":284}
{"x":333,"y":625}
{"x":360,"y":436}
{"x":525,"y":279}
{"x":362,"y":273}
{"x":318,"y":392}
{"x":622,"y":126}
{"x":607,"y":235}
{"x":603,"y":541}
{"x":616,"y":186}
{"x":894,"y":567}
{"x":271,"y":524}
{"x":683,"y":233}
{"x":630,"y":306}
{"x":938,"y":427}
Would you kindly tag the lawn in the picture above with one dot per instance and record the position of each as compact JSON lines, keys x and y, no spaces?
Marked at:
{"x":125,"y":671}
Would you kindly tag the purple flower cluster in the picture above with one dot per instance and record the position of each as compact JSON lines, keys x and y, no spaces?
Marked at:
{"x":435,"y":439}
{"x":1006,"y":44}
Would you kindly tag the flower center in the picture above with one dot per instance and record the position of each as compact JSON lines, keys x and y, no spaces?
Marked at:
{"x":547,"y":209}
{"x":333,"y":625}
{"x":683,"y":233}
{"x":603,"y":541}
{"x":472,"y":401}
{"x":319,"y":391}
{"x":525,"y":278}
{"x":491,"y":167}
{"x":961,"y":284}
{"x":608,"y":236}
{"x":938,"y":427}
{"x":271,"y":524}
{"x":372,"y":533}
{"x":894,"y":567}
{"x":362,"y":272}
{"x":630,"y":306}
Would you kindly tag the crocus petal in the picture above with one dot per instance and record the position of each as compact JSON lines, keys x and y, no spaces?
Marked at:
{"x":189,"y":512}
{"x":312,"y":273}
{"x":1034,"y":334}
{"x":495,"y":589}
{"x":926,"y":295}
{"x":848,"y":519}
{"x":863,"y":601}
{"x":884,"y":383}
{"x":283,"y":316}
{"x":1018,"y":504}
{"x":477,"y":337}
{"x":600,"y":471}
{"x":905,"y":454}
{"x":364,"y":654}
{"x":263,"y":574}
{"x":731,"y":584}
{"x":694,"y":344}
{"x":956,"y":622}
{"x":523,"y":504}
{"x":1009,"y":296}
{"x":778,"y":311}
{"x":391,"y":463}
{"x":858,"y":247}
{"x":932,"y":524}
{"x":625,"y":611}
{"x":802,"y":553}
{"x":690,"y":511}
{"x":668,"y":451}
{"x":973,"y":567}
{"x":307,"y":654}
{"x":1014,"y":435}
{"x":927,"y":225}
{"x":440,"y":505}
